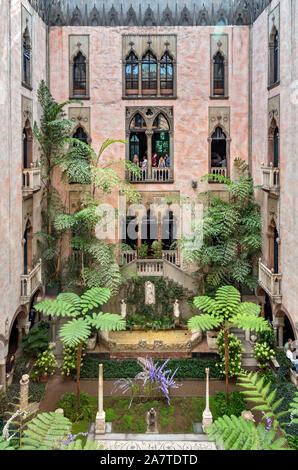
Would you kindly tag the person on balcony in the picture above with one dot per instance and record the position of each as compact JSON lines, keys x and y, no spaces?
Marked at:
{"x":290,"y":356}
{"x":154,"y":160}
{"x":144,"y":162}
{"x":167,"y":161}
{"x":161,"y":163}
{"x":223,"y":163}
{"x":135,"y":160}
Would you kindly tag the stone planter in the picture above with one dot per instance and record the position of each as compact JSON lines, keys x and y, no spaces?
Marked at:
{"x":211,"y":339}
{"x":91,"y":342}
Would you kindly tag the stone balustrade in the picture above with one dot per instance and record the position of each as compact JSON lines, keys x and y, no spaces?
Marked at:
{"x":30,"y":283}
{"x":171,"y":256}
{"x":270,"y":178}
{"x":153,"y":175}
{"x":31,"y":179}
{"x":150,"y":267}
{"x":270,"y":282}
{"x":219,"y":171}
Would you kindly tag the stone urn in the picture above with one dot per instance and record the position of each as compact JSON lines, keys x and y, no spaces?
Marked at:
{"x":211,"y":339}
{"x":91,"y":342}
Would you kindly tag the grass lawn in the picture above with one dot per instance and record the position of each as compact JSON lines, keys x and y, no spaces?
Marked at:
{"x":176,"y":418}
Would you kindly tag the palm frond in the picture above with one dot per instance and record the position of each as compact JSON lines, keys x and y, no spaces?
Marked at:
{"x":75,"y":331}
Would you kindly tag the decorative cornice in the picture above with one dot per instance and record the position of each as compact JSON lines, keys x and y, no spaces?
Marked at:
{"x":162,"y":13}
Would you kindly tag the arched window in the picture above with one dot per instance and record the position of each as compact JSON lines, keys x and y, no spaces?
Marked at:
{"x":138,"y":139}
{"x":27,"y":145}
{"x":161,"y":141}
{"x":166,"y":75}
{"x":221,"y":22}
{"x":218,"y":74}
{"x":275,"y":57}
{"x":218,"y":149}
{"x":276,"y":148}
{"x":28,"y":258}
{"x":273,"y":144}
{"x":26,"y":57}
{"x":149,"y":74}
{"x":79,"y":75}
{"x":81,"y":135}
{"x":132,"y":74}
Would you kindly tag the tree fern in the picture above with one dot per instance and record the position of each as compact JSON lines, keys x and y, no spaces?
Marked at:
{"x":107,"y":322}
{"x":46,"y":431}
{"x":75,"y":331}
{"x":78,"y":445}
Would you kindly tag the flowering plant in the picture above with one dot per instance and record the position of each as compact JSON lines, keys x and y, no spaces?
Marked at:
{"x":263,"y":354}
{"x":154,"y":378}
{"x":45,"y":364}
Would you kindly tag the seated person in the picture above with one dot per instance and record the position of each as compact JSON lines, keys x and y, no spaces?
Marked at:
{"x":290,"y":356}
{"x":288,"y":343}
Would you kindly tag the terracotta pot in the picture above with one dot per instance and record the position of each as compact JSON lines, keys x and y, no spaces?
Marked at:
{"x":44,"y":378}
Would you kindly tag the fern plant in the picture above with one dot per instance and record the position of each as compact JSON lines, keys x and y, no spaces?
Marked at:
{"x":235,"y":433}
{"x":231,"y":234}
{"x":225,"y":311}
{"x":81,"y":309}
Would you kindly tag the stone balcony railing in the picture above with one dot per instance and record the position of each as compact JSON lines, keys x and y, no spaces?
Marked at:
{"x":153,"y":175}
{"x":270,"y":178}
{"x":270,"y":282}
{"x":218,"y":171}
{"x":31,"y":180}
{"x":30,"y":283}
{"x":171,"y":256}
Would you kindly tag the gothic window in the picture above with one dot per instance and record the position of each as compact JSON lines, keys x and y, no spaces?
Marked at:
{"x":274,"y":57}
{"x":27,"y":243}
{"x":221,"y":22}
{"x":166,"y":75}
{"x":79,"y":75}
{"x":81,"y":135}
{"x":132,"y":74}
{"x":27,"y":145}
{"x":149,"y":74}
{"x":150,"y":145}
{"x":218,"y":74}
{"x":273,"y":144}
{"x":26,"y":58}
{"x":219,"y":152}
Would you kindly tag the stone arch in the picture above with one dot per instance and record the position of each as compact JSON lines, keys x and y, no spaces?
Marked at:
{"x":273,"y":246}
{"x":274,"y":52}
{"x":27,"y":145}
{"x":81,"y":126}
{"x":285,"y":325}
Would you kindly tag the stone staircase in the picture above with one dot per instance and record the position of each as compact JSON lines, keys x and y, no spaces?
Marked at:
{"x":161,"y":268}
{"x":248,"y":359}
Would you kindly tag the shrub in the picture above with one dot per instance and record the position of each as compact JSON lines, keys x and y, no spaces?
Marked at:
{"x":140,"y":425}
{"x":68,"y":403}
{"x":293,"y":442}
{"x":110,"y":415}
{"x":235,"y":353}
{"x":69,"y":365}
{"x":45,"y":364}
{"x":157,"y":250}
{"x":263,"y":354}
{"x":142,"y":251}
{"x":36,"y":341}
{"x":235,"y":406}
{"x":267,"y":337}
{"x":126,"y":423}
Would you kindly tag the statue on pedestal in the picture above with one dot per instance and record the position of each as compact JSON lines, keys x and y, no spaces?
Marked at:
{"x":176,"y":312}
{"x":151,"y":421}
{"x":149,"y":293}
{"x":123,"y":309}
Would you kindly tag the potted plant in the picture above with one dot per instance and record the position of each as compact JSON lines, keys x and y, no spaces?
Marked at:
{"x":44,"y":366}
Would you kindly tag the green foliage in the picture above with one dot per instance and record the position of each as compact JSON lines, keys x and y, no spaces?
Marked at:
{"x":235,"y":353}
{"x":36,"y":341}
{"x":267,"y":337}
{"x":69,"y":364}
{"x":294,"y":410}
{"x":78,"y":445}
{"x":157,"y":317}
{"x":45,"y":364}
{"x":110,"y":415}
{"x":4,"y":445}
{"x":45,"y":432}
{"x":142,"y":251}
{"x":68,"y":403}
{"x":157,"y":249}
{"x":263,"y":354}
{"x":235,"y":406}
{"x":231,"y":234}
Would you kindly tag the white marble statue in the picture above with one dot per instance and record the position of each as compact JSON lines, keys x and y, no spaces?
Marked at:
{"x":149,"y":293}
{"x":123,"y":309}
{"x":176,"y":309}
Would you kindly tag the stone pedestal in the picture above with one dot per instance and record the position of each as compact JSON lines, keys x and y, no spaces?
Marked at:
{"x":24,"y":391}
{"x":207,"y":415}
{"x":100,"y":422}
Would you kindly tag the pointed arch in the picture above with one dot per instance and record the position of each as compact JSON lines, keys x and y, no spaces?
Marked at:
{"x":274,"y":56}
{"x":28,"y":248}
{"x":80,"y":74}
{"x":27,"y":145}
{"x":218,"y":73}
{"x":273,"y":144}
{"x":166,"y":74}
{"x":149,"y":73}
{"x":132,"y":70}
{"x":27,"y":51}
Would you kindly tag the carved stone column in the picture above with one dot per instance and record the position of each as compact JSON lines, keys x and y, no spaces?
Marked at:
{"x":207,"y":415}
{"x":100,"y":423}
{"x":149,"y":135}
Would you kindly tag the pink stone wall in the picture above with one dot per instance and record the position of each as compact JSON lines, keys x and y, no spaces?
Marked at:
{"x":190,"y":108}
{"x":11,"y":157}
{"x":288,"y":221}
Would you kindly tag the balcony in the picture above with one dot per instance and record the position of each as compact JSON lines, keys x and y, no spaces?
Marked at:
{"x":153,"y":175}
{"x":31,"y":180}
{"x":270,"y":282}
{"x":30,"y":283}
{"x":218,"y":171}
{"x":270,"y":178}
{"x":171,"y":256}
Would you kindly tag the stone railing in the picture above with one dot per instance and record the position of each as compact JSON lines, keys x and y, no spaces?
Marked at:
{"x":150,"y":267}
{"x":218,"y":170}
{"x":153,"y":175}
{"x":270,"y":178}
{"x":30,"y":282}
{"x":31,"y":179}
{"x":171,"y":256}
{"x":128,"y":257}
{"x":270,"y":282}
